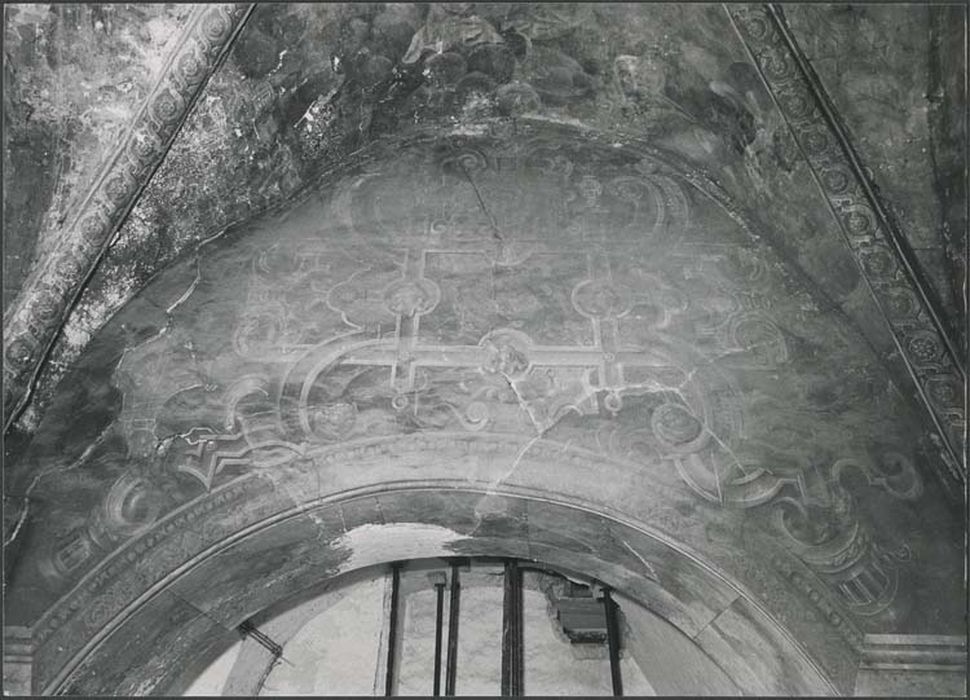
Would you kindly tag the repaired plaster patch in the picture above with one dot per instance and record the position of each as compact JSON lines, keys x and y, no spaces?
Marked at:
{"x":373,"y":544}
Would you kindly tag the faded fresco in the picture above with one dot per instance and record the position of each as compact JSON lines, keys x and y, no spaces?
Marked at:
{"x":626,"y":287}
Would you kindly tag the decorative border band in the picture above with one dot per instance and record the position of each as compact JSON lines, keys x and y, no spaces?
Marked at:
{"x":48,"y":295}
{"x":880,"y":251}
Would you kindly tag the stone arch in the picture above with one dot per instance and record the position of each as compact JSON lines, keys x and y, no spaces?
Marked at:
{"x":162,"y":630}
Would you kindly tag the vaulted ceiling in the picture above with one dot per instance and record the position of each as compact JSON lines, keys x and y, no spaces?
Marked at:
{"x":680,"y":284}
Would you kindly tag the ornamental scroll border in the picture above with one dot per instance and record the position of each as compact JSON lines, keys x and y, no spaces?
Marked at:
{"x":41,"y":308}
{"x":920,"y":337}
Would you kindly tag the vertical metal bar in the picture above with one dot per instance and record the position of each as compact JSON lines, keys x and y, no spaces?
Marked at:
{"x":392,"y":628}
{"x":613,"y":639}
{"x":508,"y":605}
{"x":451,"y":660}
{"x":438,"y":624}
{"x":512,"y":676}
{"x":519,"y":676}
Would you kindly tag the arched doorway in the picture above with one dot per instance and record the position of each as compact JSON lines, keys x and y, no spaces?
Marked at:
{"x":157,"y":641}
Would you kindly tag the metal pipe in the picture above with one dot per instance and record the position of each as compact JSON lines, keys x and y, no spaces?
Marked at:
{"x":512,"y":676}
{"x":438,"y":624}
{"x":248,"y":629}
{"x":451,"y":660}
{"x":519,"y":676}
{"x":613,"y":639}
{"x":392,"y":628}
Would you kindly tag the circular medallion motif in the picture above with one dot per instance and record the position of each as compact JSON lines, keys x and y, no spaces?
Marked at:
{"x":92,"y":227}
{"x":191,"y":67}
{"x":815,"y":142}
{"x":46,"y":305}
{"x":116,"y":190}
{"x":900,"y":303}
{"x":507,"y":353}
{"x":776,"y":64}
{"x":675,"y":425}
{"x":757,"y":27}
{"x":943,"y":389}
{"x":835,"y":181}
{"x":858,"y":221}
{"x":68,"y":267}
{"x":924,"y":347}
{"x":599,"y":299}
{"x":613,"y":402}
{"x":166,"y":106}
{"x":410,"y":297}
{"x":143,"y":147}
{"x":19,"y":352}
{"x":477,"y":415}
{"x":877,"y":261}
{"x":797,"y":105}
{"x":216,"y":25}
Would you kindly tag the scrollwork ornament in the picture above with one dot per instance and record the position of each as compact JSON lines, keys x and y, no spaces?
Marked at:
{"x":216,"y":26}
{"x":191,"y":66}
{"x":19,"y":353}
{"x":859,"y":222}
{"x":835,"y":180}
{"x":755,"y":26}
{"x":678,"y":428}
{"x":798,"y":104}
{"x":118,"y":189}
{"x":92,"y":227}
{"x":777,"y":64}
{"x":944,"y":389}
{"x":925,"y":348}
{"x":167,"y":106}
{"x":465,"y":163}
{"x":132,"y":505}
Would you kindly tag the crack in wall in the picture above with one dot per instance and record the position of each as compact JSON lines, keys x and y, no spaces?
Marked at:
{"x":77,"y":463}
{"x":647,"y":565}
